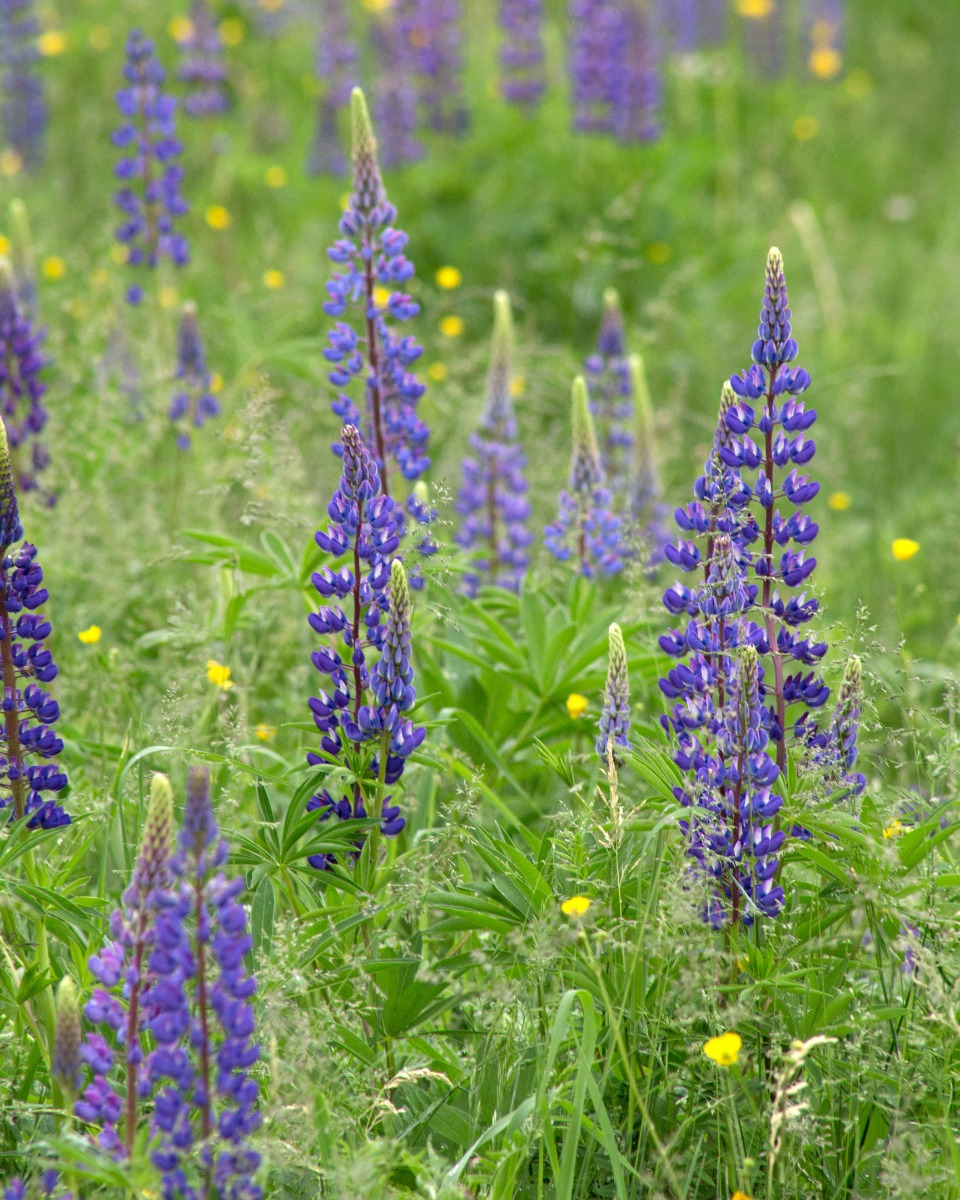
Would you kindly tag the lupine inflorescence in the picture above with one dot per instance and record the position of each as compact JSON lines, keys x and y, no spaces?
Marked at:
{"x":22,"y":387}
{"x":336,"y":72}
{"x":692,"y":24}
{"x":29,"y":789}
{"x":23,"y":106}
{"x":201,"y":67}
{"x":174,"y":975}
{"x":371,"y":253}
{"x":432,"y":29}
{"x":364,"y":531}
{"x":614,"y":64}
{"x":834,"y":747}
{"x":522,"y":77}
{"x":395,"y":98}
{"x":193,"y":402}
{"x":615,"y":715}
{"x":149,"y":198}
{"x":493,"y":500}
{"x":586,"y":530}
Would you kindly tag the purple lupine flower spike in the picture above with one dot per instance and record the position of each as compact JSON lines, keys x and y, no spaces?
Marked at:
{"x":592,"y":55}
{"x":395,"y":98}
{"x":611,"y":395}
{"x":23,"y":105}
{"x":615,"y":717}
{"x":522,"y":77}
{"x":29,"y":712}
{"x":647,"y":510}
{"x":586,"y":530}
{"x":336,"y":72}
{"x":201,"y":68}
{"x":365,"y":532}
{"x":194,"y":402}
{"x":371,"y":253}
{"x":121,"y":968}
{"x":149,"y":197}
{"x":493,"y":498}
{"x":635,"y":82}
{"x":22,"y":387}
{"x":67,"y":1065}
{"x":432,"y":31}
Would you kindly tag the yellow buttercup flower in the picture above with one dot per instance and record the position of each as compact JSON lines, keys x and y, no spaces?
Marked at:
{"x":451,"y":327}
{"x":839,"y":501}
{"x":217,"y":217}
{"x":168,"y":297}
{"x":266,"y":733}
{"x":805,"y":128}
{"x":724,"y":1050}
{"x":381,"y":296}
{"x":90,"y":636}
{"x":10,"y":163}
{"x":894,"y":829}
{"x":276,"y":177}
{"x":52,"y":43}
{"x":4,"y":244}
{"x":576,"y":906}
{"x":180,"y":28}
{"x":518,"y":385}
{"x":216,"y":382}
{"x":377,"y":6}
{"x":100,"y":37}
{"x":449,"y":278}
{"x":740,"y":1196}
{"x":904,"y":548}
{"x":577,"y":705}
{"x":219,"y":675}
{"x":658,"y":253}
{"x":755,"y":10}
{"x":437,"y":372}
{"x":274,"y":279}
{"x":53,"y":267}
{"x":231,"y":31}
{"x":825,"y":62}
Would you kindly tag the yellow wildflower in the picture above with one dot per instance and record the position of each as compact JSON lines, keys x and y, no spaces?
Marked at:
{"x":90,"y":636}
{"x":266,"y":733}
{"x":274,"y":279}
{"x":381,"y":296}
{"x":740,"y":1196}
{"x":100,"y":37}
{"x":219,"y":675}
{"x":805,"y":128}
{"x":839,"y":501}
{"x":451,"y":327}
{"x":216,"y":382}
{"x":168,"y":297}
{"x":180,"y":29}
{"x":577,"y":705}
{"x":344,"y":201}
{"x":53,"y":267}
{"x":894,"y":829}
{"x":377,"y":6}
{"x":825,"y":62}
{"x":518,"y":385}
{"x":276,"y":177}
{"x":10,"y":162}
{"x":4,"y":244}
{"x":231,"y":31}
{"x":217,"y":217}
{"x":658,"y":253}
{"x":724,"y":1050}
{"x":449,"y":278}
{"x":904,"y":548}
{"x":575,"y":907}
{"x":52,"y":43}
{"x":437,"y":372}
{"x":755,"y":10}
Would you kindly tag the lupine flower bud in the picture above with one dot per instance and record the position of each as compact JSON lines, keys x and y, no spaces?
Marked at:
{"x":615,"y":717}
{"x":194,"y":403}
{"x":21,"y":387}
{"x":492,"y":500}
{"x":371,"y":252}
{"x":774,"y":344}
{"x":67,"y":1066}
{"x":585,"y":525}
{"x":150,"y":198}
{"x":23,"y":109}
{"x":152,"y":870}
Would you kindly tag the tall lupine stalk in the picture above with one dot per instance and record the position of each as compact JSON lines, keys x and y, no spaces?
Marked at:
{"x":615,"y":715}
{"x":201,"y":69}
{"x":611,"y":395}
{"x":591,"y":61}
{"x":395,"y":98}
{"x":336,"y":72}
{"x":22,"y":387}
{"x":768,"y":402}
{"x":25,"y":664}
{"x":522,"y":75}
{"x":23,"y":105}
{"x":636,"y":82}
{"x":586,"y":530}
{"x":833,"y":747}
{"x":493,"y":500}
{"x":194,"y":402}
{"x":432,"y":30}
{"x":364,"y":529}
{"x":150,"y":198}
{"x":174,"y":972}
{"x":646,"y":508}
{"x":692,"y":24}
{"x":371,"y":251}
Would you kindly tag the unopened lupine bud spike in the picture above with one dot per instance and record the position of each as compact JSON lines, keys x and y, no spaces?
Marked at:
{"x":615,"y":717}
{"x":67,"y":1063}
{"x":10,"y":528}
{"x":367,"y":181}
{"x":498,"y":412}
{"x":152,"y":870}
{"x":585,"y":470}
